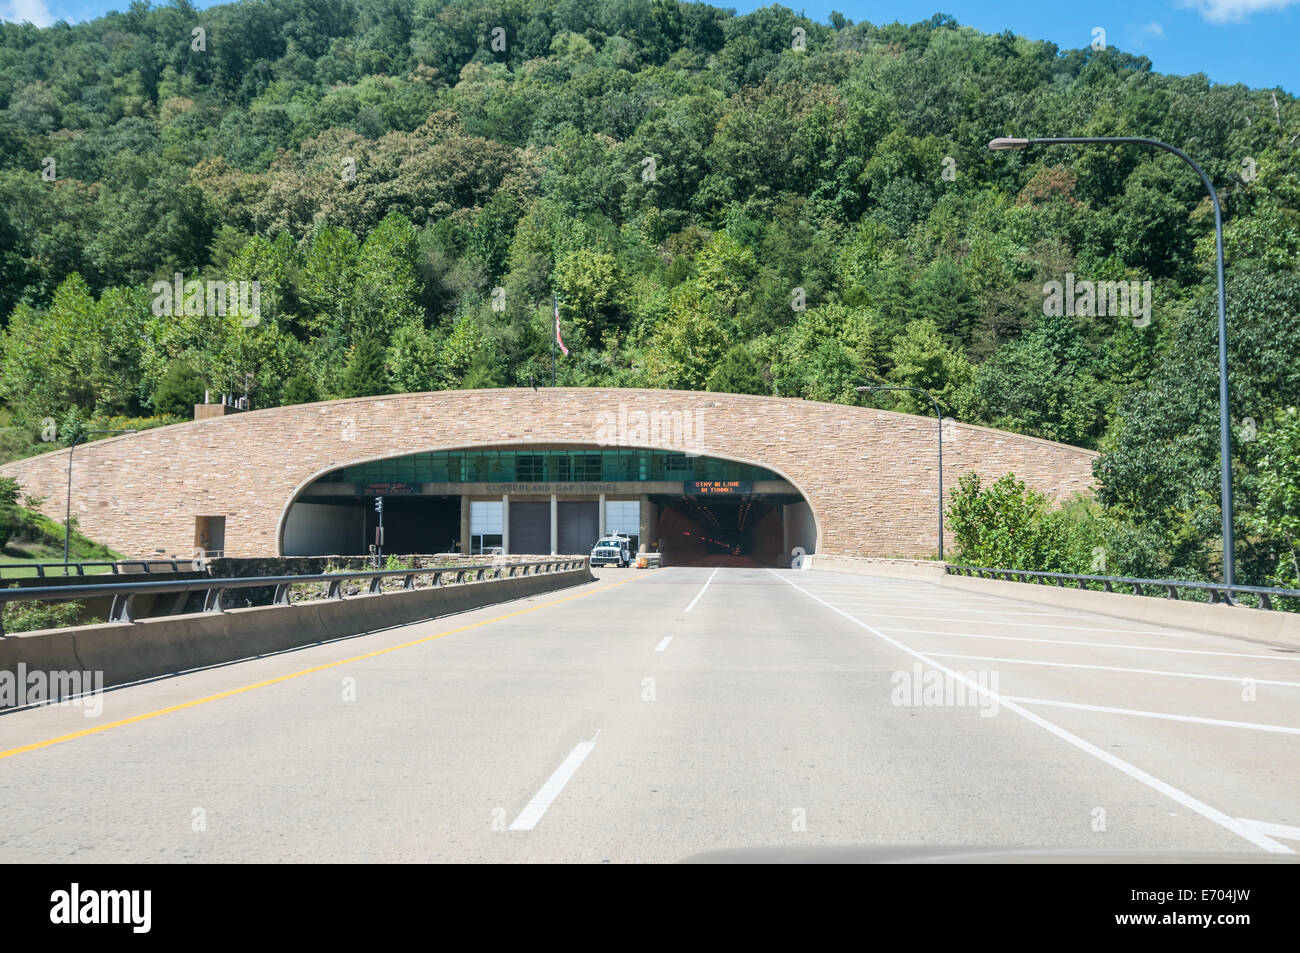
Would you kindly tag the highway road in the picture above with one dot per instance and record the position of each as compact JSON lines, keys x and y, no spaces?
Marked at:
{"x":653,"y":715}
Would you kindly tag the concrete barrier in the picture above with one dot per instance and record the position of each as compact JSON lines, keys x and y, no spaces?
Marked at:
{"x":1239,"y":622}
{"x":924,"y":570}
{"x":129,"y":651}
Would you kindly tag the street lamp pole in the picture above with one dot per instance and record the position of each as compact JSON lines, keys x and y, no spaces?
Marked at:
{"x":938,"y":414}
{"x":1225,"y":420}
{"x":67,"y":513}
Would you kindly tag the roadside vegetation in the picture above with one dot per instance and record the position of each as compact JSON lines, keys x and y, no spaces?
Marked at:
{"x":716,"y":205}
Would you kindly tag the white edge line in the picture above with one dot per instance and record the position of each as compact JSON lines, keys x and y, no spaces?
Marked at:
{"x":1167,"y":716}
{"x":1031,"y":625}
{"x":1115,"y":668}
{"x":1095,"y":645}
{"x":701,"y":592}
{"x":664,"y":644}
{"x":1277,"y":830}
{"x":533,"y":812}
{"x":1245,"y":831}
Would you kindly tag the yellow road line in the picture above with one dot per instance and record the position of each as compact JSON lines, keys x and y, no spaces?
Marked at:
{"x":35,"y":746}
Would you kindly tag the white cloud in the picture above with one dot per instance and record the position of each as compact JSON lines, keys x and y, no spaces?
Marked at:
{"x":1154,"y":29}
{"x":1224,"y":11}
{"x":32,"y":11}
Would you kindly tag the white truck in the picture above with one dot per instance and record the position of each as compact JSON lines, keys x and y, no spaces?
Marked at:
{"x":611,"y":550}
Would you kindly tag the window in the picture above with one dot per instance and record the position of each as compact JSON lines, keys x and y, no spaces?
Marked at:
{"x":530,"y":468}
{"x":623,"y":518}
{"x":486,"y":522}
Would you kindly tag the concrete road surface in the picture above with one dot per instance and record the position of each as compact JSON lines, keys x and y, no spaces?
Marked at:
{"x":653,"y":715}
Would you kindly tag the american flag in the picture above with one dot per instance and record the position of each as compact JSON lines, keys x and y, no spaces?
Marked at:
{"x":559,"y":340}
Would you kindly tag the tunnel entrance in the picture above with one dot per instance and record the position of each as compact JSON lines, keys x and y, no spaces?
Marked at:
{"x":745,"y":530}
{"x":341,"y":526}
{"x":542,"y":499}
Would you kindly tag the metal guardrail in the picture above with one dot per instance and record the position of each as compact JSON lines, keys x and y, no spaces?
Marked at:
{"x":79,"y":568}
{"x":123,"y":593}
{"x":1218,"y":592}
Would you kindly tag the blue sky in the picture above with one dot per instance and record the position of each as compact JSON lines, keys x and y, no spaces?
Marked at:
{"x":1231,"y":41}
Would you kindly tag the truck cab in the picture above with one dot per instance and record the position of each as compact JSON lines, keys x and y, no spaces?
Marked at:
{"x":611,"y":550}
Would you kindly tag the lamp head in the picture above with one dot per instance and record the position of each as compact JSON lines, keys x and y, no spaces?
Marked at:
{"x":1004,"y":143}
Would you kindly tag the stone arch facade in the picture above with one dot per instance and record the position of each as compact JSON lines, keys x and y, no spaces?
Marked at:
{"x":869,"y":476}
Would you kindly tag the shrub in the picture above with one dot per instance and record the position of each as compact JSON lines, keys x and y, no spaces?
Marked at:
{"x":1007,"y":525}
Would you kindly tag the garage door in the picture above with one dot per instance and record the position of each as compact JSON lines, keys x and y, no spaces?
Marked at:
{"x":530,"y":529}
{"x":579,"y":527}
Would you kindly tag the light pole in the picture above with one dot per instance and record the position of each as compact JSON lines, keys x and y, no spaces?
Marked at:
{"x":67,"y":513}
{"x":1225,"y":421}
{"x":938,"y":414}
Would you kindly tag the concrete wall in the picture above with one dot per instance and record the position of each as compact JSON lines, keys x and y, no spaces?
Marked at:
{"x":800,"y":528}
{"x":321,"y":528}
{"x":129,"y":651}
{"x":869,"y":476}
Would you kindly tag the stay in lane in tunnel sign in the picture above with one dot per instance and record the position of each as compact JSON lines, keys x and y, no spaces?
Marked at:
{"x":718,"y":487}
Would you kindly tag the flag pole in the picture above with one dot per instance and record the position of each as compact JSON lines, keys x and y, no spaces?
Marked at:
{"x":555,"y":332}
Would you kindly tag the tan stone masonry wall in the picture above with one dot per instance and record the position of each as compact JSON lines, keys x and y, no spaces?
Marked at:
{"x":869,"y":475}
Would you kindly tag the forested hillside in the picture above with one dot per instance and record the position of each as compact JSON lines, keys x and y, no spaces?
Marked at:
{"x":758,"y":204}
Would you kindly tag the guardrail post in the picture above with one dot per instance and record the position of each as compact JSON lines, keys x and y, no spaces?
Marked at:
{"x":408,"y":581}
{"x":334,"y":591}
{"x":376,"y":584}
{"x":478,"y":576}
{"x":1265,"y":601}
{"x":282,"y":595}
{"x":121,"y":609}
{"x":436,"y":581}
{"x":1173,"y":592}
{"x":212,"y":600}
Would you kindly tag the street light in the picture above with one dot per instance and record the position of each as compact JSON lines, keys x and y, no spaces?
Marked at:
{"x":1225,"y":422}
{"x":938,"y":414}
{"x":67,"y":516}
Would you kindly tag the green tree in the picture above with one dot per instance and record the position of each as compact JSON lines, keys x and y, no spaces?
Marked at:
{"x":300,"y":389}
{"x":738,"y":373}
{"x":180,"y":389}
{"x":921,"y":358}
{"x":364,"y":374}
{"x":1276,"y":513}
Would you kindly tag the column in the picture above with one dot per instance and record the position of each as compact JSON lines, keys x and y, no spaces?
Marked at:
{"x":554,"y":524}
{"x":647,"y":523}
{"x":601,"y":531}
{"x":464,"y":524}
{"x":505,"y":524}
